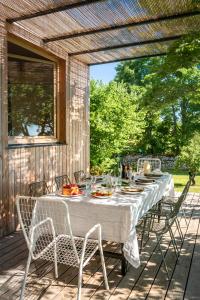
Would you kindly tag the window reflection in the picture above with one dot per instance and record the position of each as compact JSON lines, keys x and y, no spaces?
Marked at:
{"x":30,"y":98}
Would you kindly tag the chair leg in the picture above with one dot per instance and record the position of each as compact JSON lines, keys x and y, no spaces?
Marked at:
{"x":55,"y":260}
{"x":143,"y":232}
{"x":25,"y":277}
{"x":179,"y":229}
{"x":174,"y":243}
{"x":80,"y":277}
{"x":163,"y":257}
{"x":103,"y":267}
{"x":184,"y":215}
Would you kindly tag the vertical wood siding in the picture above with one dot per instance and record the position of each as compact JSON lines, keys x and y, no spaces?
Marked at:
{"x":4,"y":201}
{"x":77,"y":130}
{"x":21,"y":166}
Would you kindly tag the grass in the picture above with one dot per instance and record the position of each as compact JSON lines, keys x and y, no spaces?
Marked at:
{"x":180,"y":180}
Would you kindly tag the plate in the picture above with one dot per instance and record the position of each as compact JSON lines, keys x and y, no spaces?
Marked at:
{"x":144,"y":183}
{"x":132,"y":190}
{"x":101,"y":197}
{"x":152,"y":175}
{"x":145,"y":180}
{"x":69,"y":196}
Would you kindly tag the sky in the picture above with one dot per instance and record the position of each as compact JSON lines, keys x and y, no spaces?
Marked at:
{"x":104,"y":72}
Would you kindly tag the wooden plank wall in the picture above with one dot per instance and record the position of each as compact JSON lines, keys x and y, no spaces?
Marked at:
{"x":31,"y":164}
{"x":77,"y":117}
{"x":21,"y":166}
{"x":4,"y":203}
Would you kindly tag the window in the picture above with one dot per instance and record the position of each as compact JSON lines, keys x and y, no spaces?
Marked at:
{"x":31,"y":94}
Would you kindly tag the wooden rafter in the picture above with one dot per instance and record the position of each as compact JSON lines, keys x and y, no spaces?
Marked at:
{"x":121,"y":26}
{"x":114,"y":47}
{"x":53,"y":10}
{"x":128,"y":58}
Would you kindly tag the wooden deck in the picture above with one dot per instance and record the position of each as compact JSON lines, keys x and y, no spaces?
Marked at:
{"x":149,"y":281}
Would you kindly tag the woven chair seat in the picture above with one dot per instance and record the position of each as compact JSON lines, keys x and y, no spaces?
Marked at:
{"x":65,"y":251}
{"x":169,"y":200}
{"x":161,"y":227}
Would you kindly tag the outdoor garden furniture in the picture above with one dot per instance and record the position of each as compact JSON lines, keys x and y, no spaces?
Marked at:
{"x":38,"y":188}
{"x":79,"y":176}
{"x":162,"y":209}
{"x":118,"y":214}
{"x":154,"y":163}
{"x":49,"y":235}
{"x":168,"y":216}
{"x":60,"y":180}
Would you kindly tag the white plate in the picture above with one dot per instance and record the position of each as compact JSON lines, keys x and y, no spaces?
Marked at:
{"x":131,"y":193}
{"x":101,"y":197}
{"x":69,"y":196}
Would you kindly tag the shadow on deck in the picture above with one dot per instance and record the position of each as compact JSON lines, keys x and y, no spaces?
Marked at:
{"x":149,"y":281}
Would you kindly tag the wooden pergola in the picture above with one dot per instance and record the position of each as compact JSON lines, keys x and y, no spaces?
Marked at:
{"x":75,"y":34}
{"x":99,"y":31}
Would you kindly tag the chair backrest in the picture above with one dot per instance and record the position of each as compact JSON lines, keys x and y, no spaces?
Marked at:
{"x":181,"y":199}
{"x":32,"y":213}
{"x":174,"y":212}
{"x":60,"y":180}
{"x":155,"y":163}
{"x":79,"y":176}
{"x":38,"y":188}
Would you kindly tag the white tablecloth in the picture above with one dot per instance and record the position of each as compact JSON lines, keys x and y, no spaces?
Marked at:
{"x":118,"y":215}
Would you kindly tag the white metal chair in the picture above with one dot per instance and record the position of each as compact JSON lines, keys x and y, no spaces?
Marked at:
{"x":155,"y":163}
{"x":48,"y":234}
{"x":38,"y":188}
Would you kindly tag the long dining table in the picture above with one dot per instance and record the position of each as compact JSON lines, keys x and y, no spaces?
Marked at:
{"x":118,"y":215}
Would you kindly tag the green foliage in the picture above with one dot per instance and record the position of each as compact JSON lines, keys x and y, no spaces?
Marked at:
{"x":30,"y":104}
{"x":170,"y":95}
{"x":152,"y":107}
{"x":190,"y":155}
{"x":133,"y":72}
{"x":114,"y":122}
{"x":184,"y":53}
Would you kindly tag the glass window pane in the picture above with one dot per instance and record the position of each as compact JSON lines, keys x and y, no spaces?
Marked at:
{"x":30,"y":98}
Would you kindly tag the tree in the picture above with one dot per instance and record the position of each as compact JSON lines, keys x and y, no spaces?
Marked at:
{"x":171,"y":93}
{"x":190,"y":156}
{"x":133,"y":72}
{"x":114,"y":123}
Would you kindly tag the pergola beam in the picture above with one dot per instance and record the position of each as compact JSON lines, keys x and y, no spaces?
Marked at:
{"x":53,"y":10}
{"x":128,"y":58}
{"x":121,"y":26}
{"x":146,"y":42}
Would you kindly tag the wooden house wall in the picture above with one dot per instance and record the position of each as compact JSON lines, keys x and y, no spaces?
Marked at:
{"x":23,"y":165}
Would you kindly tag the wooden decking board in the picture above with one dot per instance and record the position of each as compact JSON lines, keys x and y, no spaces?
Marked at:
{"x":116,"y":281}
{"x":127,"y":283}
{"x":10,"y":263}
{"x":66,"y":276}
{"x":146,"y":282}
{"x":15,"y":285}
{"x":97,"y":280}
{"x":38,"y":272}
{"x":160,"y":284}
{"x":10,"y":240}
{"x":179,"y":280}
{"x":6,"y":252}
{"x":114,"y":278}
{"x":192,"y":290}
{"x":89,"y":271}
{"x":141,"y":289}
